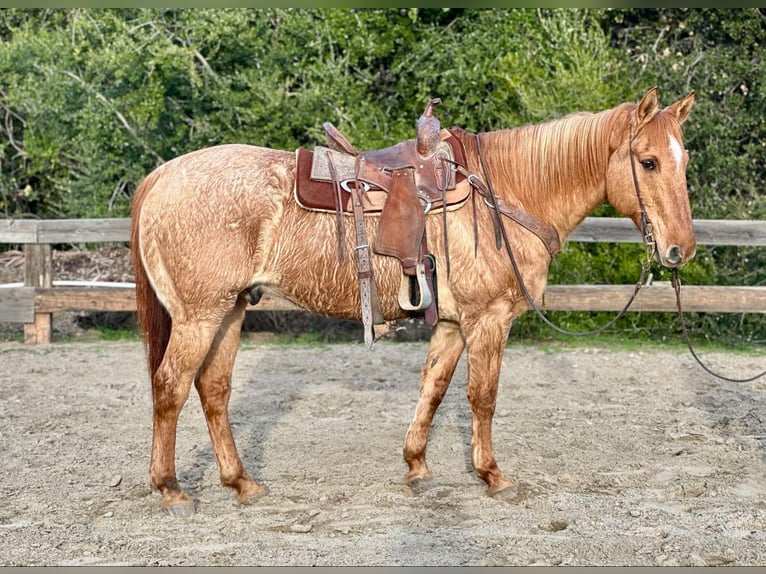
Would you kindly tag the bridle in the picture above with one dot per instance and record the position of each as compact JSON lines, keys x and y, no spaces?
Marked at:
{"x":650,"y":245}
{"x":650,"y":248}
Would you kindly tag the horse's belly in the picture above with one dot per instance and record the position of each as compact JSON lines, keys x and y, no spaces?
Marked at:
{"x":329,"y":287}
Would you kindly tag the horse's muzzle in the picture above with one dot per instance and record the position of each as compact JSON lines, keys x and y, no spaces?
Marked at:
{"x":675,"y":257}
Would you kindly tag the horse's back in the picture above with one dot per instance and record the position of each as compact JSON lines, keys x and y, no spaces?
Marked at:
{"x":221,"y":170}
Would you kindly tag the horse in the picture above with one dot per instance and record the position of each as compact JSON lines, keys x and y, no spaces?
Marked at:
{"x":208,"y":225}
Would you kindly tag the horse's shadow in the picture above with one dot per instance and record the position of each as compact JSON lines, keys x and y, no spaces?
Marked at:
{"x":736,"y":410}
{"x":253,"y":419}
{"x":264,"y":392}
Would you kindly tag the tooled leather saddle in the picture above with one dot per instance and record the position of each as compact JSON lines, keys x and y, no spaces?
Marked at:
{"x":399,"y":184}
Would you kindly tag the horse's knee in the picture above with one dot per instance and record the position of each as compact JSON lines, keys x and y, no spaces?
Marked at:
{"x":482,"y":404}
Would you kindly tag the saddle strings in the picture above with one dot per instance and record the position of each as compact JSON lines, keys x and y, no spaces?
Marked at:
{"x":444,"y":213}
{"x":339,"y":221}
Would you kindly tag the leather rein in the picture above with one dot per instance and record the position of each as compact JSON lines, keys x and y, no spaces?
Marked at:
{"x":650,"y":247}
{"x":677,"y":288}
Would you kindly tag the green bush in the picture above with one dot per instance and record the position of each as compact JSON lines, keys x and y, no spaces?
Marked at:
{"x":93,"y":99}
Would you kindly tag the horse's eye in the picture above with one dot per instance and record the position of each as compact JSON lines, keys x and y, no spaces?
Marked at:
{"x":649,"y":164}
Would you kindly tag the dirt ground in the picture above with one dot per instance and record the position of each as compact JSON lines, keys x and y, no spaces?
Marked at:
{"x":624,"y":458}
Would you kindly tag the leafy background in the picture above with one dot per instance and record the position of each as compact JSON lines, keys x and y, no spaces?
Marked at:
{"x":93,"y":99}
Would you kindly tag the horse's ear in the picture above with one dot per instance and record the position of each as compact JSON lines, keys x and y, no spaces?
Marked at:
{"x":647,"y":108}
{"x":682,"y":108}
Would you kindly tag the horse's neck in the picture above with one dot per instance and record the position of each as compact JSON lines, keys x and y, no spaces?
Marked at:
{"x":555,"y":170}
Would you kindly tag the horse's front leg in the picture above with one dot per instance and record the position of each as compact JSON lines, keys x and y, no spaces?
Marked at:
{"x":444,"y":352}
{"x":486,"y":337}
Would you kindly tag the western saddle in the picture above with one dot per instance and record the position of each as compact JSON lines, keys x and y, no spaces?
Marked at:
{"x":399,"y":184}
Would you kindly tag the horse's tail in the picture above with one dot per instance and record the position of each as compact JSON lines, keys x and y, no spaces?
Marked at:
{"x":153,"y":318}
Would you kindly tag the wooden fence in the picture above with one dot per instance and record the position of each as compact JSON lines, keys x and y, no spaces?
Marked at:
{"x":35,"y":302}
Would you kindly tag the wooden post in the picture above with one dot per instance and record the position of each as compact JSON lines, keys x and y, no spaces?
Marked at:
{"x":38,"y":272}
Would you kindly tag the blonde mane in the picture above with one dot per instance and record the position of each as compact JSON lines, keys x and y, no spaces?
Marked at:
{"x":547,"y":166}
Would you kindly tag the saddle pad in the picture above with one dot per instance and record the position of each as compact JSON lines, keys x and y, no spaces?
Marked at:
{"x":316,"y":195}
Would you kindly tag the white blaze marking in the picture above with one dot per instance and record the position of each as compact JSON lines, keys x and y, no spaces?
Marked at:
{"x":677,"y":152}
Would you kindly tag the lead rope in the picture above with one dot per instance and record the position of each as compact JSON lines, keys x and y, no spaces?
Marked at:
{"x":676,"y":281}
{"x":648,"y":242}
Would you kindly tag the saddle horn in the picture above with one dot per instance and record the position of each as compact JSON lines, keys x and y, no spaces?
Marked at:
{"x":428,"y":129}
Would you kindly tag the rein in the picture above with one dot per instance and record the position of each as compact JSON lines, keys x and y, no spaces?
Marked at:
{"x":648,"y":238}
{"x":677,"y":288}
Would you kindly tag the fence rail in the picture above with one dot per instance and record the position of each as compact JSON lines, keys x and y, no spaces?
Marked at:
{"x":34,"y":303}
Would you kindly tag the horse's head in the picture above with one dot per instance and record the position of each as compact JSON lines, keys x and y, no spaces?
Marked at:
{"x":659,"y":161}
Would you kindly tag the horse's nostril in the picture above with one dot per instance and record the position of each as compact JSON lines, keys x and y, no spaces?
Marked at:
{"x":674,"y":255}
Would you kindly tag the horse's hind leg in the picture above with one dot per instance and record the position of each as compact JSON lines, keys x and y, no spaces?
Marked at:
{"x":444,"y":352}
{"x":214,"y":387}
{"x":188,"y":345}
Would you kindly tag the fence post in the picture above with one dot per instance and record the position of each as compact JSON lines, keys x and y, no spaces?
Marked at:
{"x":38,"y":272}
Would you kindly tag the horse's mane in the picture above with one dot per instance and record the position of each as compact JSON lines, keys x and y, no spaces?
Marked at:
{"x":551,"y":159}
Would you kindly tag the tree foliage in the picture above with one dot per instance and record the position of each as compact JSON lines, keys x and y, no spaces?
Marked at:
{"x":93,"y":99}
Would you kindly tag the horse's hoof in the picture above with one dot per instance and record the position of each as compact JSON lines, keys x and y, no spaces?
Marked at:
{"x":419,"y":484}
{"x":180,"y":509}
{"x":414,"y":475}
{"x":251,"y":493}
{"x":510,"y":493}
{"x":177,"y":503}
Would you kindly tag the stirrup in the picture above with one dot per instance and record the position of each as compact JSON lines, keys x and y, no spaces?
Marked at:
{"x":414,"y":294}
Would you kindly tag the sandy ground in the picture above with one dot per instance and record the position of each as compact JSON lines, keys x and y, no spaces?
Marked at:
{"x":625,"y":458}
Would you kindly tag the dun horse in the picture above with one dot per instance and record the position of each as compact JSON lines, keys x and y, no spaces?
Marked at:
{"x":209,"y":225}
